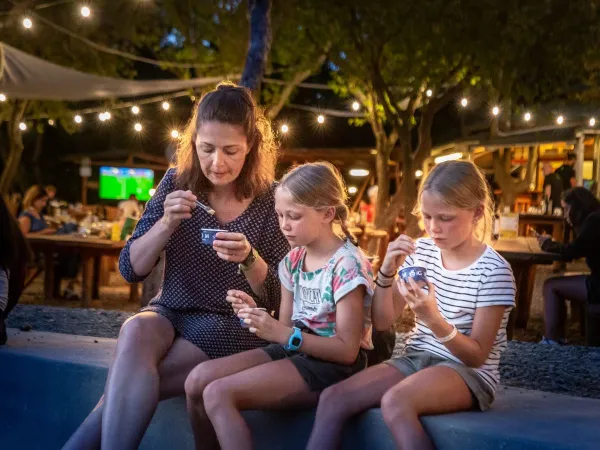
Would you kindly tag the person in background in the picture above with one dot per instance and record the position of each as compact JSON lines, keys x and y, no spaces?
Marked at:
{"x":553,"y":185}
{"x":367,"y":210}
{"x":566,"y":172}
{"x":31,"y":220}
{"x":52,"y":200}
{"x":582,"y":211}
{"x":130,"y":208}
{"x":14,"y":256}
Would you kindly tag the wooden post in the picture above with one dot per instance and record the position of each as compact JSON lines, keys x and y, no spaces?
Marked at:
{"x":84,"y":189}
{"x":579,"y":152}
{"x":597,"y":163}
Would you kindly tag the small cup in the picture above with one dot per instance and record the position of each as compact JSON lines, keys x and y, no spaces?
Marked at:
{"x":208,"y":235}
{"x":417,"y":273}
{"x":245,"y":325}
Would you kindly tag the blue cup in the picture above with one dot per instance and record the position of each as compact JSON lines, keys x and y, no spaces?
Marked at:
{"x":208,"y":235}
{"x":417,"y":273}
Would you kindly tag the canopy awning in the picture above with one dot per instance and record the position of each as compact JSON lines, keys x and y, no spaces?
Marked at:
{"x":24,"y":76}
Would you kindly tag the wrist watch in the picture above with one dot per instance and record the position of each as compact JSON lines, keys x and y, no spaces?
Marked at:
{"x":295,"y":340}
{"x":247,"y":263}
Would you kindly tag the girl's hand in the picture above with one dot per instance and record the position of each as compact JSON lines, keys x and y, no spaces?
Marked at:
{"x":233,"y":247}
{"x":177,"y":207}
{"x":239,"y":300}
{"x":422,"y":302}
{"x":397,"y":252}
{"x":264,"y":326}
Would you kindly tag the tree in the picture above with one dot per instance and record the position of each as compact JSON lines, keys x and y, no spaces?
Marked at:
{"x":112,"y":25}
{"x":389,"y":60}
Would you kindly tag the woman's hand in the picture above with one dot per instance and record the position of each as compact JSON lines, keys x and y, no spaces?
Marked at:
{"x":542,"y":238}
{"x":397,"y":252}
{"x":264,"y":326}
{"x":177,"y":207}
{"x":239,"y":300}
{"x":422,"y":302}
{"x":233,"y":247}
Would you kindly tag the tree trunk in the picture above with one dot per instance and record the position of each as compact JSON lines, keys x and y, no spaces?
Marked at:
{"x":37,"y":152}
{"x":15,"y":149}
{"x":259,"y":46}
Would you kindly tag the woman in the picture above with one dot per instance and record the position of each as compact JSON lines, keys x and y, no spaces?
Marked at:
{"x":582,"y":211}
{"x":14,"y":255}
{"x":226,"y":161}
{"x":31,"y":220}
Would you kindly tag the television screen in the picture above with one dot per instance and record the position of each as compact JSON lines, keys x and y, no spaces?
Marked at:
{"x":118,"y":183}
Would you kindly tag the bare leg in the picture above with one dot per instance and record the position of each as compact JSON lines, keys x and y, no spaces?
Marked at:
{"x":207,"y":372}
{"x":270,"y":385}
{"x":172,"y":371}
{"x":340,"y":402}
{"x":556,"y":291}
{"x":435,"y":390}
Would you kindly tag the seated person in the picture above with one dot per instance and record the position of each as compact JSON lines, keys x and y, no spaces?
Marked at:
{"x":582,"y":211}
{"x":31,"y":220}
{"x":130,"y":208}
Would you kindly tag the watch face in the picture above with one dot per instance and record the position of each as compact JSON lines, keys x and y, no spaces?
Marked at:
{"x":296,"y":341}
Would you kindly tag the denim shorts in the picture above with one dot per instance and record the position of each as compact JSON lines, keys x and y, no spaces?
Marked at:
{"x":316,"y":373}
{"x":414,"y":361}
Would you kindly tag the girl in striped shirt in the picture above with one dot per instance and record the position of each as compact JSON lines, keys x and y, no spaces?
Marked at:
{"x":450,"y":362}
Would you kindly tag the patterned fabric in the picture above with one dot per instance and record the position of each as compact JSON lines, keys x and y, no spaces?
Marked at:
{"x":316,"y":293}
{"x":36,"y":224}
{"x":196,"y":280}
{"x":487,"y":282}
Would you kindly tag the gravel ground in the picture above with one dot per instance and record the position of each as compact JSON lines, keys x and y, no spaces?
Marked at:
{"x":564,"y":370}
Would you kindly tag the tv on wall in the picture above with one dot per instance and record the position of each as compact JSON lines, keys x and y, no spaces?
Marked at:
{"x":118,"y":183}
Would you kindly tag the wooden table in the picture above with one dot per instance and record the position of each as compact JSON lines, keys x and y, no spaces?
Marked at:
{"x":523,"y":254}
{"x":90,"y":249}
{"x":558,"y":224}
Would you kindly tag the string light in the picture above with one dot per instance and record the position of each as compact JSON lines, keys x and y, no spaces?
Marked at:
{"x":355,"y":106}
{"x":22,"y":126}
{"x":495,"y":110}
{"x":419,"y":173}
{"x":137,"y":127}
{"x":174,"y":134}
{"x":135,"y":109}
{"x":321,"y":118}
{"x":464,"y":102}
{"x":359,"y":172}
{"x":85,"y":11}
{"x":352,"y":189}
{"x":107,"y":115}
{"x":285,"y":128}
{"x":51,"y":122}
{"x":592,"y":122}
{"x":78,"y":118}
{"x":429,"y":93}
{"x":527,"y":117}
{"x":560,"y":120}
{"x":166,"y":106}
{"x":104,"y":116}
{"x":2,"y":98}
{"x":27,"y":23}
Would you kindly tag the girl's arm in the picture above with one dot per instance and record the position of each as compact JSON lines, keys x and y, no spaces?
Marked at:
{"x":287,"y":307}
{"x":24,"y":224}
{"x":473,"y":350}
{"x":388,"y":306}
{"x":341,"y":348}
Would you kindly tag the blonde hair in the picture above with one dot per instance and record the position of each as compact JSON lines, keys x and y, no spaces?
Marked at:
{"x":319,"y":185}
{"x":234,"y":105}
{"x":32,"y":194}
{"x":461,"y":184}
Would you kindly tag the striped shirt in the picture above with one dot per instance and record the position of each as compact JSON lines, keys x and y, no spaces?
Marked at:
{"x":3,"y":289}
{"x":488,"y":281}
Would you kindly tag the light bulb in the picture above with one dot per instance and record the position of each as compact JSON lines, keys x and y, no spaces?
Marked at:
{"x":174,"y":134}
{"x":166,"y":106}
{"x":27,"y":23}
{"x":495,"y":110}
{"x":137,"y":127}
{"x":429,"y":93}
{"x":321,"y":118}
{"x":560,"y":120}
{"x":527,"y":117}
{"x":135,"y":109}
{"x":464,"y":102}
{"x":85,"y":11}
{"x":2,"y":98}
{"x":592,"y":122}
{"x":78,"y":119}
{"x":284,"y":128}
{"x":22,"y":126}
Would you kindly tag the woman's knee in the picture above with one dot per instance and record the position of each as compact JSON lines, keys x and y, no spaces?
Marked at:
{"x":145,"y":336}
{"x":333,"y":401}
{"x":216,"y":394}
{"x":548,"y":288}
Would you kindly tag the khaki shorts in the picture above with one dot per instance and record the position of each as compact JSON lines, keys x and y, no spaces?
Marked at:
{"x":414,"y":361}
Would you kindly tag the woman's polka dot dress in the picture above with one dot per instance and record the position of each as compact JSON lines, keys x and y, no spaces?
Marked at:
{"x":196,"y":280}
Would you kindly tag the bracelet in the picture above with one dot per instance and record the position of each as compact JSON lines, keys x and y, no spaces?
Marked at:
{"x":387,"y":276}
{"x":384,"y":286}
{"x":451,"y":336}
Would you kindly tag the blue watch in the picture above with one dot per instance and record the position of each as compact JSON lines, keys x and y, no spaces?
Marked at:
{"x":295,"y":340}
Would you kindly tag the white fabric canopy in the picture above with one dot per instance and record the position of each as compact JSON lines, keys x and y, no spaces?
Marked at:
{"x":23,"y":76}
